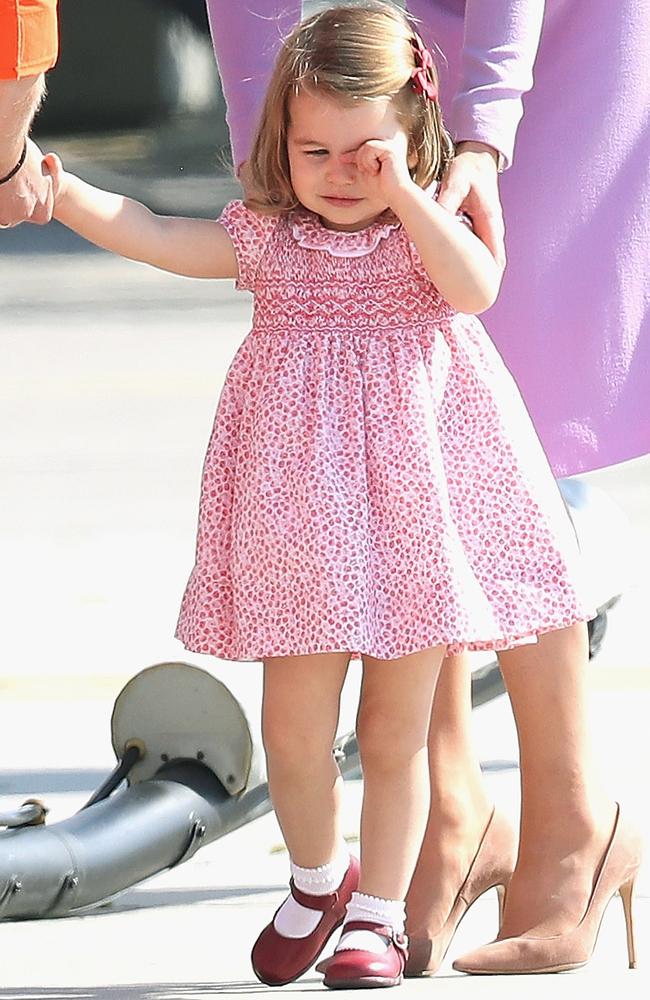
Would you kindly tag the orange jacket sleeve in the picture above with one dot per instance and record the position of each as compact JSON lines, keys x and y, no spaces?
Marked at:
{"x":28,"y":37}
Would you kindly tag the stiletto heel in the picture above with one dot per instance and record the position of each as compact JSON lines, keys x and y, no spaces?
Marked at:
{"x":501,"y":894}
{"x":626,"y":892}
{"x":529,"y":953}
{"x":492,"y":867}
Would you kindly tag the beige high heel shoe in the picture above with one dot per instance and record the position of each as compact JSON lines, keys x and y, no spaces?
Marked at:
{"x":561,"y":952}
{"x":491,"y":868}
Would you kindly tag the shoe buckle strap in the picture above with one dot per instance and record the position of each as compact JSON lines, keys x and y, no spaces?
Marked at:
{"x":322,"y":903}
{"x":383,"y":930}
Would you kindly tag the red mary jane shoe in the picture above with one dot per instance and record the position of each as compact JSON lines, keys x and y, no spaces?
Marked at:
{"x":277,"y":959}
{"x":353,"y":968}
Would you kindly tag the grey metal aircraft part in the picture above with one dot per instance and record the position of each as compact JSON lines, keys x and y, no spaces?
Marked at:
{"x":193,"y":775}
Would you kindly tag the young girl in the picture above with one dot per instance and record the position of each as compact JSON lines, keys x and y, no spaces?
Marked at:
{"x":373,"y":487}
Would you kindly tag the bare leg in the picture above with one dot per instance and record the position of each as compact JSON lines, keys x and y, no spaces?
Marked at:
{"x":566,"y":820}
{"x":299,"y":718}
{"x":460,"y":806}
{"x":392,"y":729}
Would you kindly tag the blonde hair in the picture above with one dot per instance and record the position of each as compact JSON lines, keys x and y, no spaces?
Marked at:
{"x":351,"y":53}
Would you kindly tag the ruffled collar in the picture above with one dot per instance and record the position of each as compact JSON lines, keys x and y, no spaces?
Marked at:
{"x":310,"y":233}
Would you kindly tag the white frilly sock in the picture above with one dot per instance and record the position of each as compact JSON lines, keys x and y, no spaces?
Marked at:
{"x":295,"y":921}
{"x":388,"y":912}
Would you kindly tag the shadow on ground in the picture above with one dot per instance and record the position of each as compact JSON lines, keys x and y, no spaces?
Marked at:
{"x":152,"y":991}
{"x":53,"y":239}
{"x":143,"y":899}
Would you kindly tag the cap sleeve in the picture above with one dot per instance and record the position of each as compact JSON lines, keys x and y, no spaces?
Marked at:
{"x":250,"y":233}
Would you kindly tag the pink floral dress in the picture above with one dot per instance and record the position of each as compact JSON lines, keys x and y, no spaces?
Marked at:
{"x":373,"y":482}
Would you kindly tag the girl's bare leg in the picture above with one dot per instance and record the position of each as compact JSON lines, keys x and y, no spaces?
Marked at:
{"x":392,"y":729}
{"x":566,"y":820}
{"x":460,"y":806}
{"x":300,"y":714}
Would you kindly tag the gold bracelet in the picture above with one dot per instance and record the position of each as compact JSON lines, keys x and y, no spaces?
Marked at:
{"x":12,"y":173}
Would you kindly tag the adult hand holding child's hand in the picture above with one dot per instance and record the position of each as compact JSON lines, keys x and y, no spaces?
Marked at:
{"x":27,"y":196}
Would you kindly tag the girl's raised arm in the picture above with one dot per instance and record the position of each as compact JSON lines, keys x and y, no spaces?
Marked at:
{"x":458,"y":263}
{"x":197,"y":248}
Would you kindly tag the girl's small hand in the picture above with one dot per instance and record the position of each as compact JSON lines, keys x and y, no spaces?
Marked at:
{"x":383,"y":165}
{"x":52,"y":165}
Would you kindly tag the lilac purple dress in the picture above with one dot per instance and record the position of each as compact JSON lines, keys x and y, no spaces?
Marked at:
{"x":572,"y":320}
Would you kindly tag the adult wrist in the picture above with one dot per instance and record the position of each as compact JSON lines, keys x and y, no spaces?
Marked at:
{"x":475,"y":146}
{"x":10,"y":174}
{"x":12,"y":146}
{"x":19,"y":101}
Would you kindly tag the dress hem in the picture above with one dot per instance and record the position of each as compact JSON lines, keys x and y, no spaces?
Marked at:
{"x":454,"y":647}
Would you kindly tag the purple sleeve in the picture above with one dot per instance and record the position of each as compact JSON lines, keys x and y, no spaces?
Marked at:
{"x":499,"y":49}
{"x":246,"y":36}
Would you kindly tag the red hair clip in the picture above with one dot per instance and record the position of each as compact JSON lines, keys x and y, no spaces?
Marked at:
{"x":422,"y":76}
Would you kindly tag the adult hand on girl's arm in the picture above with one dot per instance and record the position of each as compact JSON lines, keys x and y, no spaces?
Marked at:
{"x":197,"y":248}
{"x":471,"y":185}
